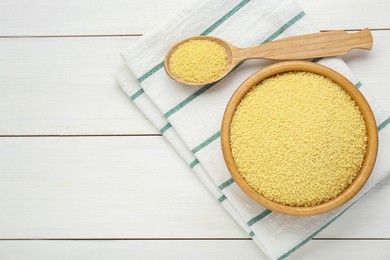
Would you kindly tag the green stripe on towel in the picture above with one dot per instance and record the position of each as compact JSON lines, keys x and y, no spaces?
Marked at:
{"x":151,"y":72}
{"x":188,"y":100}
{"x":137,"y":94}
{"x":226,"y":184}
{"x":207,"y":142}
{"x":225,"y":17}
{"x":383,"y":124}
{"x":194,"y":163}
{"x":284,"y":27}
{"x":313,"y":235}
{"x":222,"y":199}
{"x":251,"y":234}
{"x":259,"y":217}
{"x":165,"y":128}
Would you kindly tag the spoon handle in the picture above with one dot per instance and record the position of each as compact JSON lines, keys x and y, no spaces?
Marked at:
{"x":323,"y":44}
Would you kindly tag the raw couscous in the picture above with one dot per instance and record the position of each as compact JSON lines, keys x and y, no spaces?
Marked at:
{"x":198,"y":61}
{"x":298,"y":138}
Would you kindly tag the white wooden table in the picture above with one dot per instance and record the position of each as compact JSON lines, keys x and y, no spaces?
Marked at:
{"x":84,"y":175}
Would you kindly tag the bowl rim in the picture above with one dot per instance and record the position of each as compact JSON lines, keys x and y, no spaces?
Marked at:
{"x":350,"y":88}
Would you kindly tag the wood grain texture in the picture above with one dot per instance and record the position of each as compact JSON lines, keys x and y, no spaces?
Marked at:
{"x":191,"y":250}
{"x":65,"y":86}
{"x":133,"y":187}
{"x":55,"y":86}
{"x":129,"y":187}
{"x":309,"y":46}
{"x":109,"y":187}
{"x":94,"y":17}
{"x":347,"y":14}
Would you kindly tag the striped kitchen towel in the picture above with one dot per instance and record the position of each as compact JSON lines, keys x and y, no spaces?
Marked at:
{"x":189,"y":117}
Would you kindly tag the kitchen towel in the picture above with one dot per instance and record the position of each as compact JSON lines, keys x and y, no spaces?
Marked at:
{"x":189,"y":117}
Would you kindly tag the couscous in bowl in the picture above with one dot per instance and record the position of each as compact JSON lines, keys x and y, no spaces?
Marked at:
{"x":241,"y":162}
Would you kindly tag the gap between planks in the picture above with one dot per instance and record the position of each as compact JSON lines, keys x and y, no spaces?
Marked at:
{"x":135,"y":34}
{"x":178,"y":239}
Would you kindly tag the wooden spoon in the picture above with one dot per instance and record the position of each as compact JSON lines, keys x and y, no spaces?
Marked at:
{"x":316,"y":45}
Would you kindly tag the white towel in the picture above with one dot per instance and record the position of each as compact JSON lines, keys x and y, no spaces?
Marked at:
{"x":189,"y":117}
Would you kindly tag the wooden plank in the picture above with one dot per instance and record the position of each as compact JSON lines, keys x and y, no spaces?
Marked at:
{"x":188,"y":249}
{"x":94,"y":17}
{"x":91,"y":17}
{"x":65,"y":86}
{"x":51,"y":86}
{"x":92,"y":187}
{"x":347,"y":14}
{"x":370,"y":67}
{"x":129,"y":187}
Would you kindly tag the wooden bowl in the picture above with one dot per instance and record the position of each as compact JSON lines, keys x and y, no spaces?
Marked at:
{"x":372,"y":134}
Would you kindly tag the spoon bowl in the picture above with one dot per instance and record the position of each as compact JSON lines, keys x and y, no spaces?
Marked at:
{"x":316,"y":45}
{"x":229,"y":49}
